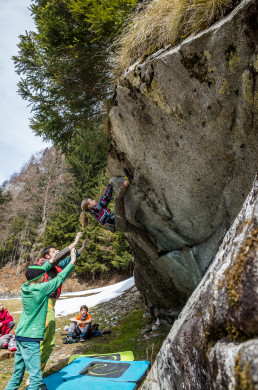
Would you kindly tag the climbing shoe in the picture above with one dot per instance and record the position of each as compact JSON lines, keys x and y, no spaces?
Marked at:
{"x":128,"y":175}
{"x":66,"y":340}
{"x":70,"y":340}
{"x":82,"y":338}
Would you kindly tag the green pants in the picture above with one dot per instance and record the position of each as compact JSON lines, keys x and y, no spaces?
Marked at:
{"x":27,"y":356}
{"x":47,"y":345}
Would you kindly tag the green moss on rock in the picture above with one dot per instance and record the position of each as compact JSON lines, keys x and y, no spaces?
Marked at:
{"x":242,"y":374}
{"x":234,"y":334}
{"x":234,"y":275}
{"x":197,"y":66}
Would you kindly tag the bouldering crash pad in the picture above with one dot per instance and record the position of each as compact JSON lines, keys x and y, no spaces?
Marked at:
{"x":117,"y":356}
{"x":99,"y":374}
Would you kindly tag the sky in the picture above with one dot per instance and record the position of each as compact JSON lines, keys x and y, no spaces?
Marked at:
{"x":17,"y":141}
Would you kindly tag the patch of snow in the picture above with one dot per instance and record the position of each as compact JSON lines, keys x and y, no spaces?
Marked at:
{"x":69,"y":304}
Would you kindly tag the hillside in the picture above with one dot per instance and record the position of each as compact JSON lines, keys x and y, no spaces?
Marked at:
{"x":40,"y":206}
{"x":32,"y":197}
{"x":11,"y":282}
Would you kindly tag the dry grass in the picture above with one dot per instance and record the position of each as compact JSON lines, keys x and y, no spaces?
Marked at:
{"x":166,"y":22}
{"x":11,"y":283}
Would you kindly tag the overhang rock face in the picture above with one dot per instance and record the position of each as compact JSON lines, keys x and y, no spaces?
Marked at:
{"x":185,"y":124}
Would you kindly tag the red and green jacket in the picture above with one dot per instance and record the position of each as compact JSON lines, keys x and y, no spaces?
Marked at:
{"x":35,"y":302}
{"x":56,"y":269}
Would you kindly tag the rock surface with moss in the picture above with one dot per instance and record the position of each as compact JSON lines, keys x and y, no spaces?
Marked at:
{"x":214,"y":342}
{"x":185,"y":123}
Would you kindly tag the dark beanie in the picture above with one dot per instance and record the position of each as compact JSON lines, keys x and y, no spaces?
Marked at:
{"x":34,"y":272}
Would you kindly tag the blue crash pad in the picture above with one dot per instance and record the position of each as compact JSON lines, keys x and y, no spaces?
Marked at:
{"x":92,"y":373}
{"x":91,"y":384}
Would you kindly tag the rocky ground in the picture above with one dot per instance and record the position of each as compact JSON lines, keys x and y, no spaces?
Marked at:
{"x":132,"y":329}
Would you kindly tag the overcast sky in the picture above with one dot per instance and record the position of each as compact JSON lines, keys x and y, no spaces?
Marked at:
{"x":17,"y":141}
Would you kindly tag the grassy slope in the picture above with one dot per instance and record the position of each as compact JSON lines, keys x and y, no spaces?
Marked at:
{"x":165,"y":22}
{"x":127,"y":335}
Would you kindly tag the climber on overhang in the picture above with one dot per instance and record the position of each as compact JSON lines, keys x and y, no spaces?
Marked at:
{"x":99,"y":210}
{"x":115,"y":221}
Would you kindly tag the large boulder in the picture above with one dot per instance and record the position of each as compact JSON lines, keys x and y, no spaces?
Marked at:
{"x":214,"y":342}
{"x":185,"y":123}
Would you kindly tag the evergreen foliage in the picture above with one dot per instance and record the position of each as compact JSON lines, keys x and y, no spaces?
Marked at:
{"x":31,"y":201}
{"x":66,"y":63}
{"x":4,"y":196}
{"x":107,"y":252}
{"x":65,"y":69}
{"x":40,"y":180}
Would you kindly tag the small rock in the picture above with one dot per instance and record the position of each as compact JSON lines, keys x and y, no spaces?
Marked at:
{"x":146,"y":330}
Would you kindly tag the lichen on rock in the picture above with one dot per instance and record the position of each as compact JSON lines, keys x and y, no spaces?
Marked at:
{"x":184,"y":121}
{"x":211,"y":345}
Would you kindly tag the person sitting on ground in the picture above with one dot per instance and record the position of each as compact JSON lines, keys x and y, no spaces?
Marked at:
{"x":99,"y":210}
{"x":31,"y":327}
{"x":6,"y":321}
{"x":81,"y":325}
{"x":7,"y":340}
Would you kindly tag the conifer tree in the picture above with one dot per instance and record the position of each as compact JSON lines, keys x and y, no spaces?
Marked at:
{"x":107,"y":252}
{"x":65,"y":63}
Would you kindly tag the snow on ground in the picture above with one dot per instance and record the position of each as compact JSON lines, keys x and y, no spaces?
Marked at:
{"x":68,"y":304}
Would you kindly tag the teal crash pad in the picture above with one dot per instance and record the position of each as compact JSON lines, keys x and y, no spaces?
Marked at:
{"x":99,"y":374}
{"x":92,"y":384}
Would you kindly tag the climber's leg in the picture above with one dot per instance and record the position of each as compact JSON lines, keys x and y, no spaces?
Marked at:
{"x":122,"y":225}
